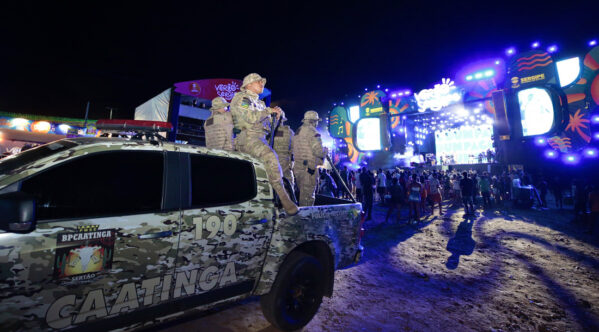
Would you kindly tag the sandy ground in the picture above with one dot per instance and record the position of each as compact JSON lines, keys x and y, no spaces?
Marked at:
{"x":503,"y":270}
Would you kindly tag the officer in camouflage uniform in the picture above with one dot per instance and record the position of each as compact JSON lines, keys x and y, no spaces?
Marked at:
{"x":219,"y":126}
{"x":282,"y":146}
{"x":308,"y":154}
{"x":251,"y":118}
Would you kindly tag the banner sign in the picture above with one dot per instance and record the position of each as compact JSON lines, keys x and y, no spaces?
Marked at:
{"x":210,"y":88}
{"x":530,"y":69}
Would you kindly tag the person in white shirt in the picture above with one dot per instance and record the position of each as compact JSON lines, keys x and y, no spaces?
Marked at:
{"x":381,"y":186}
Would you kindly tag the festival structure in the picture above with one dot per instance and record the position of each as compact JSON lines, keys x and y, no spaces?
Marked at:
{"x":514,"y":110}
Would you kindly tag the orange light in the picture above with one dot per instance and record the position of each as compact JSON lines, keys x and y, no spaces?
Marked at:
{"x":41,"y":127}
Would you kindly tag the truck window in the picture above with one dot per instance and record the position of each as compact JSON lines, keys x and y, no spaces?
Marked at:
{"x":101,"y":184}
{"x":219,"y":181}
{"x":11,"y":163}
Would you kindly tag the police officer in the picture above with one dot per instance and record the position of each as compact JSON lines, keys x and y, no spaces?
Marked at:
{"x":308,"y":154}
{"x":282,"y":146}
{"x":219,"y":126}
{"x":251,"y":118}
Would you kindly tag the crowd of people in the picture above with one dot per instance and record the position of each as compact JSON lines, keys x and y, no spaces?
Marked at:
{"x":422,"y":192}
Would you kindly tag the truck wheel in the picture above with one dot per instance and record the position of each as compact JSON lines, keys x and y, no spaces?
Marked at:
{"x":296,"y":293}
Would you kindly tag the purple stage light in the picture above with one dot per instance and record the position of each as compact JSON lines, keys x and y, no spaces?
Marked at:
{"x":552,"y":49}
{"x":510,"y":51}
{"x":596,"y":136}
{"x":593,"y":42}
{"x":378,"y":86}
{"x":334,"y":104}
{"x":365,"y":89}
{"x":551,"y":154}
{"x":591,"y":153}
{"x":535,"y":44}
{"x":571,"y":159}
{"x":407,"y":92}
{"x":497,"y":62}
{"x":595,"y":119}
{"x":342,"y":103}
{"x":394,"y":95}
{"x":400,"y":94}
{"x":386,"y":90}
{"x":540,"y":141}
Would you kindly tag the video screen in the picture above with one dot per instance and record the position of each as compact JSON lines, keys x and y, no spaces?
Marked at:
{"x":463,"y":145}
{"x":368,"y":134}
{"x":536,"y":111}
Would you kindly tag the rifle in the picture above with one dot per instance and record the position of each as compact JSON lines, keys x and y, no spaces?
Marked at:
{"x":274,"y":126}
{"x":342,"y":181}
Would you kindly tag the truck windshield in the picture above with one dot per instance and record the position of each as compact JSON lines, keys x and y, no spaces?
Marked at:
{"x":13,"y":162}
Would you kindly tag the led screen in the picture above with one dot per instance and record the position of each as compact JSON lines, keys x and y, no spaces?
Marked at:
{"x":368,"y":134}
{"x":464,"y":143}
{"x":354,"y":113}
{"x":536,"y":111}
{"x":568,"y":70}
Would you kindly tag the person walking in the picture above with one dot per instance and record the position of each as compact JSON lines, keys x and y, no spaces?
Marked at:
{"x":251,"y":118}
{"x":367,"y":181}
{"x":219,"y":126}
{"x":309,"y":154}
{"x":467,"y":188}
{"x":381,"y":185}
{"x":485,"y":189}
{"x":414,"y":197}
{"x":435,"y":193}
{"x":397,"y":199}
{"x":359,"y":192}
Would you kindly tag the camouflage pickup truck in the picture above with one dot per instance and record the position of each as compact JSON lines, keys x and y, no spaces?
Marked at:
{"x":104,"y":233}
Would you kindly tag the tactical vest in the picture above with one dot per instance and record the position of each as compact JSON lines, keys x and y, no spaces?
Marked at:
{"x":302,"y":148}
{"x":282,"y":144}
{"x":219,"y":130}
{"x":241,"y":107}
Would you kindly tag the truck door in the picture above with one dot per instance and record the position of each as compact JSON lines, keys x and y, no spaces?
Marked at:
{"x":104,"y":245}
{"x":225,"y":229}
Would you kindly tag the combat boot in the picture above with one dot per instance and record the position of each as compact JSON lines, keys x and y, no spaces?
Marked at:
{"x":287,"y":203}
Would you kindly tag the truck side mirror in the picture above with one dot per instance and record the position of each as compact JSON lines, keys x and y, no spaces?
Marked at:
{"x":17,"y":211}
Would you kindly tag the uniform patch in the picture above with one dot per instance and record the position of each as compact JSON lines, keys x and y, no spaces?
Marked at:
{"x":279,"y":133}
{"x":82,"y":255}
{"x":210,"y":122}
{"x":246,"y":103}
{"x":317,"y":135}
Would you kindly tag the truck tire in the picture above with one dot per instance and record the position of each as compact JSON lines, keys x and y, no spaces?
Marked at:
{"x":296,"y":294}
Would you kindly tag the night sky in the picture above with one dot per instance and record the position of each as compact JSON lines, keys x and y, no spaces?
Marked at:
{"x":55,"y":58}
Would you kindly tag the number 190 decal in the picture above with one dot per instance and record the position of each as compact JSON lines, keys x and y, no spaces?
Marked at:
{"x":213,"y":225}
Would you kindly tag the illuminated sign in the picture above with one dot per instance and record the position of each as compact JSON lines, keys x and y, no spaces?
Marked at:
{"x":534,"y":78}
{"x":442,"y":95}
{"x":371,"y":104}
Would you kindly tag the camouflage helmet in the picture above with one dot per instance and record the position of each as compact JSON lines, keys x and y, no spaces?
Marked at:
{"x":218,"y":103}
{"x":251,"y":78}
{"x":311,"y":115}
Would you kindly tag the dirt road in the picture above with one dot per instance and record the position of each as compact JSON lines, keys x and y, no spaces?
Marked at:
{"x":498,"y":271}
